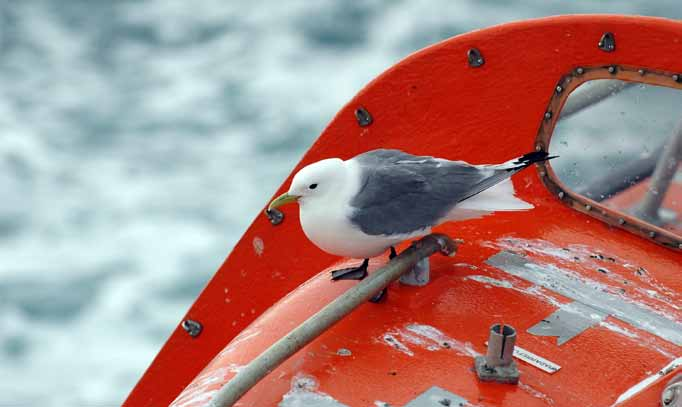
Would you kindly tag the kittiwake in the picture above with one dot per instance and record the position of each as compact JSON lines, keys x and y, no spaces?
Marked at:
{"x":363,"y":206}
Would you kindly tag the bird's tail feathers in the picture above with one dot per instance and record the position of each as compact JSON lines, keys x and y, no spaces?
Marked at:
{"x":524,"y":161}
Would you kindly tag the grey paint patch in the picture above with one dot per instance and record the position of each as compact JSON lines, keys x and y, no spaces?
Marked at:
{"x":590,"y":293}
{"x":437,"y":397}
{"x":304,"y":393}
{"x":567,"y":322}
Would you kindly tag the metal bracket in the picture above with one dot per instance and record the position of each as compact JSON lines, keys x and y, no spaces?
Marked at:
{"x":419,"y":275}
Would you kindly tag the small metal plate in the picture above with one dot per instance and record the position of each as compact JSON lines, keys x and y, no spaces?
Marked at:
{"x":437,"y":397}
{"x":567,"y":322}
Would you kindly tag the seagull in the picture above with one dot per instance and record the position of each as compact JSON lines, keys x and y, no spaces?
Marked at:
{"x":363,"y":206}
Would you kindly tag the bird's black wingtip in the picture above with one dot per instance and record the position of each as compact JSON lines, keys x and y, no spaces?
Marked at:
{"x":534,"y":157}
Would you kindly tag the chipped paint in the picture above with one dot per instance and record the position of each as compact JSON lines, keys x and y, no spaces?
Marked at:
{"x":391,"y":340}
{"x":258,"y":246}
{"x":536,"y":393}
{"x":304,"y":393}
{"x":425,"y":337}
{"x":591,"y":293}
{"x":648,"y":381}
{"x":490,"y":281}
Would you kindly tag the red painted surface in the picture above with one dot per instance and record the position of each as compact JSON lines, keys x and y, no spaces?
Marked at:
{"x":432,"y":103}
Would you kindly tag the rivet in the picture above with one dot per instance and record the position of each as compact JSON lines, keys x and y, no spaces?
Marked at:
{"x":677,"y":77}
{"x":642,"y":72}
{"x":580,"y":70}
{"x":274,"y":215}
{"x":611,"y":69}
{"x":621,"y":221}
{"x":538,"y":147}
{"x":363,"y":117}
{"x":475,"y":58}
{"x":652,"y":234}
{"x":559,"y":89}
{"x":588,"y":207}
{"x":192,"y":327}
{"x":679,"y":246}
{"x":542,"y":173}
{"x":548,"y":115}
{"x":561,"y":195}
{"x":607,"y":43}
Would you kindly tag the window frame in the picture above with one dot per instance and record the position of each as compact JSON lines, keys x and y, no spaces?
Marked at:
{"x":565,"y":86}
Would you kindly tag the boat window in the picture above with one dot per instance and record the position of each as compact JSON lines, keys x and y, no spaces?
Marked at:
{"x":620,"y":146}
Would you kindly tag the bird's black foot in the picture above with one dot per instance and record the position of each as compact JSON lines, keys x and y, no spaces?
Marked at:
{"x":352,"y":273}
{"x":392,"y":254}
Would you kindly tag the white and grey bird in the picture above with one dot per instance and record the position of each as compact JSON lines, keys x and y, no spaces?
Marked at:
{"x":363,"y":206}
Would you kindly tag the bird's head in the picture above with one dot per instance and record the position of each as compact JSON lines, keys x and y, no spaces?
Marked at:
{"x":313,"y":181}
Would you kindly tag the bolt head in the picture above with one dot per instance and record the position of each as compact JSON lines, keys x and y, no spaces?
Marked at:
{"x":641,"y":72}
{"x":548,"y":115}
{"x":580,"y":71}
{"x":561,"y":195}
{"x":559,"y":89}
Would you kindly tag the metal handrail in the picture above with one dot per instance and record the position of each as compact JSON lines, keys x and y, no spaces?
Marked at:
{"x":317,"y":324}
{"x":661,"y":179}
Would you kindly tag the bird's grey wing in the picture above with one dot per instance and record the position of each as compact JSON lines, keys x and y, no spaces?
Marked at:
{"x":402,"y":193}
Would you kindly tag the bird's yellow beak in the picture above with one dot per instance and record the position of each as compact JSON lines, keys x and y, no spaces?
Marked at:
{"x":283,"y":199}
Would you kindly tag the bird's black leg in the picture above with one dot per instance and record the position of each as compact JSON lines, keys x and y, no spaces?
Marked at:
{"x":381,"y":295}
{"x":352,"y":273}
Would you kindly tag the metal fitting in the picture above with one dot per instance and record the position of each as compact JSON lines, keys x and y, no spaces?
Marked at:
{"x":497,"y":365}
{"x":363,"y":117}
{"x":192,"y":327}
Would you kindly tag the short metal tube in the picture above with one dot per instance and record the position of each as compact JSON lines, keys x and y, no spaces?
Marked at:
{"x":500,"y":345}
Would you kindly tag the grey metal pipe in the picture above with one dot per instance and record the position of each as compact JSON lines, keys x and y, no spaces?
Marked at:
{"x":314,"y":326}
{"x":661,"y":179}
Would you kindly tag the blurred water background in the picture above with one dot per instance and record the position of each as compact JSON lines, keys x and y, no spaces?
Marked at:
{"x":138,"y":137}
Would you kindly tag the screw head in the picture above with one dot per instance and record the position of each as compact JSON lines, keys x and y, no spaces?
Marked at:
{"x":274,"y":215}
{"x":548,"y":115}
{"x":580,"y":70}
{"x":559,"y":89}
{"x":652,"y":234}
{"x":588,"y":207}
{"x":642,"y":72}
{"x":677,"y":77}
{"x":192,"y":327}
{"x":621,"y":221}
{"x":611,"y":69}
{"x":363,"y":117}
{"x":561,"y":195}
{"x":475,"y":58}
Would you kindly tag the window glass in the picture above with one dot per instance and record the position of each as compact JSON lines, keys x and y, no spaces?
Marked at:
{"x":620,"y":144}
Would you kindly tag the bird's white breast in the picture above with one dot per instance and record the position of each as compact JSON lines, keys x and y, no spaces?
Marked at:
{"x":326,"y":221}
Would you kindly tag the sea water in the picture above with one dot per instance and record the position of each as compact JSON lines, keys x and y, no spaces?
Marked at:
{"x":136,"y":140}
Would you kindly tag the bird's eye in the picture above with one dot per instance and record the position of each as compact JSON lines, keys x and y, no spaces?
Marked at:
{"x":312,"y":186}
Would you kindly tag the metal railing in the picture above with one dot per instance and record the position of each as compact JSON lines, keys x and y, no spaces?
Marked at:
{"x":317,"y":324}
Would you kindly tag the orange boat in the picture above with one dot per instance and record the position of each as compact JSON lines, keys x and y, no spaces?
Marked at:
{"x":584,"y":290}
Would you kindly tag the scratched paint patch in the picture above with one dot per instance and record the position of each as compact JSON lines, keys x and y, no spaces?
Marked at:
{"x":592,"y":293}
{"x":425,"y":337}
{"x":305,"y":392}
{"x":622,"y":275}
